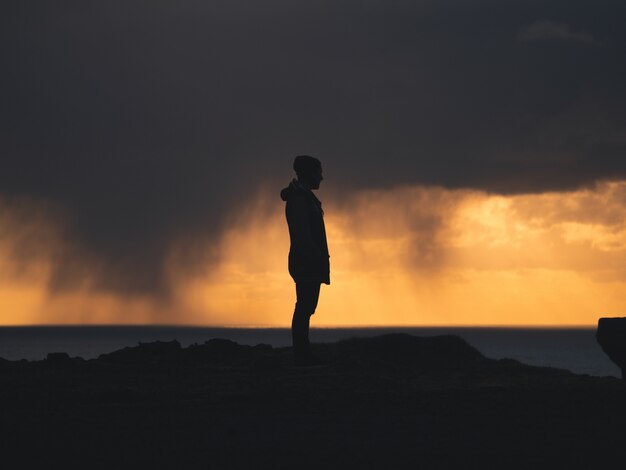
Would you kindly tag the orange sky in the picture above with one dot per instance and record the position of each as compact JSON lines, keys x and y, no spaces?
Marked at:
{"x":408,"y":256}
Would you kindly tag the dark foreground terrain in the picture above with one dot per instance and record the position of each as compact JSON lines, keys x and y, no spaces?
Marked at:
{"x":393,"y":401}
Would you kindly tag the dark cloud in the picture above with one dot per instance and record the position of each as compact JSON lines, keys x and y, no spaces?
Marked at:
{"x":148,"y":121}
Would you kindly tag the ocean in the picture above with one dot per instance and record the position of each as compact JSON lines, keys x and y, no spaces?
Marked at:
{"x":574,"y":349}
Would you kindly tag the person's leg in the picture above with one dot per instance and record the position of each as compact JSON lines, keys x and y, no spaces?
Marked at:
{"x":307,"y":295}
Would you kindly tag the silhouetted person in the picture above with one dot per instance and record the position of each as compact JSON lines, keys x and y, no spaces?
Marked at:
{"x":308,"y":255}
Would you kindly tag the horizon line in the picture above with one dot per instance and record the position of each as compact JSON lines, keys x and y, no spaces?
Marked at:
{"x":287,"y":327}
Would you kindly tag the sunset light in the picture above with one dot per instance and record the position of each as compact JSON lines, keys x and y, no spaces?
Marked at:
{"x":408,"y":256}
{"x":312,"y":234}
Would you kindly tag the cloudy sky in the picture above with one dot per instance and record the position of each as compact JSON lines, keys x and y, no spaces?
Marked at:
{"x":474,"y":156}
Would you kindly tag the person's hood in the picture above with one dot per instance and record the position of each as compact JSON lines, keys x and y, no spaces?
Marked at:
{"x":294,"y":188}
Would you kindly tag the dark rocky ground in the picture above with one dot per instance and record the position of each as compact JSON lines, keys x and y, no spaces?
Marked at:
{"x":393,"y":401}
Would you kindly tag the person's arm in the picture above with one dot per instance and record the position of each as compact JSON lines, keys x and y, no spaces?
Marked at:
{"x":298,"y":219}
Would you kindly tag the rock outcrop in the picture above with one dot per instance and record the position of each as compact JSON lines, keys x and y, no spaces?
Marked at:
{"x":393,"y":401}
{"x":611,"y":335}
{"x":406,"y":362}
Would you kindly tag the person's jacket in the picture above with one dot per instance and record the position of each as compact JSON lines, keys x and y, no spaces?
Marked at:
{"x":308,"y":254}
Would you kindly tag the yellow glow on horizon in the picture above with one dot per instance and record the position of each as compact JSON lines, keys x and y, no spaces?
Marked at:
{"x":428,"y":256}
{"x":409,"y":256}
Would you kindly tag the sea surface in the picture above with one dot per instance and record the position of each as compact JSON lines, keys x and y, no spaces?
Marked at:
{"x":574,"y":349}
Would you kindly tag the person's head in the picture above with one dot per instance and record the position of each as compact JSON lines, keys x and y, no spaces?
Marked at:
{"x":309,"y":171}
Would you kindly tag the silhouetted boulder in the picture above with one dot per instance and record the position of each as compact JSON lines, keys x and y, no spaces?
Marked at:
{"x":611,"y":335}
{"x":58,"y":357}
{"x":223,"y":350}
{"x":434,"y":352}
{"x":216,"y":350}
{"x":61,"y":360}
{"x":145,"y":353}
